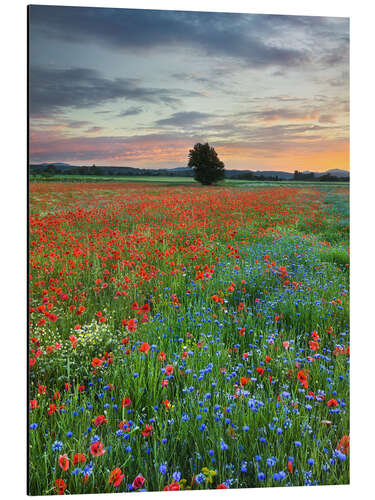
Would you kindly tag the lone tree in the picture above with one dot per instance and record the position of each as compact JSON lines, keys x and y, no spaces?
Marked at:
{"x":206,"y":164}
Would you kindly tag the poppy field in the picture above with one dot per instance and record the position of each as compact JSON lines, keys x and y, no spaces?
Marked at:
{"x":187,"y":337}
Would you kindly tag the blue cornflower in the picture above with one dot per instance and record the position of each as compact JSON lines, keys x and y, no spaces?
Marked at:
{"x":261,"y":476}
{"x":211,"y":452}
{"x":223,"y":445}
{"x":57,"y":446}
{"x":162,"y":469}
{"x":33,"y":426}
{"x":69,"y":434}
{"x":176,"y":476}
{"x":276,"y":476}
{"x":88,"y":469}
{"x":95,"y":439}
{"x":311,"y":461}
{"x":298,"y":444}
{"x":200,"y":478}
{"x":338,"y":454}
{"x":77,"y":471}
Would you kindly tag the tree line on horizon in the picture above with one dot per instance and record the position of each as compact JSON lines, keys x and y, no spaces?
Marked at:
{"x":206,"y":167}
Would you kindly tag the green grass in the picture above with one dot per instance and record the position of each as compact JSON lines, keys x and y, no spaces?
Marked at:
{"x":166,"y":180}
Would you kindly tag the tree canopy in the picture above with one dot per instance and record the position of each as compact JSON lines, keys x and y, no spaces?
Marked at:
{"x":208,"y":169}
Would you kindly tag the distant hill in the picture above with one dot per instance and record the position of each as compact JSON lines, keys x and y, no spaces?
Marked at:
{"x":65,"y":168}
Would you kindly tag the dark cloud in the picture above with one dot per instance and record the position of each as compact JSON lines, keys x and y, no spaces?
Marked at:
{"x":133,"y":110}
{"x":183,"y":119}
{"x":237,"y":36}
{"x":53,"y":89}
{"x":93,"y":130}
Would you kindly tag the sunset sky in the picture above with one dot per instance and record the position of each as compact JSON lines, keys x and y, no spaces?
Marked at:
{"x":139,"y":88}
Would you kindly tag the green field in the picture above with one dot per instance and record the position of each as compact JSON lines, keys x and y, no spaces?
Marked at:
{"x":166,"y":180}
{"x":187,"y":337}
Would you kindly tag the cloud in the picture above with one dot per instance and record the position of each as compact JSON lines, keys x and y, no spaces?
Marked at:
{"x":183,"y":119}
{"x":133,"y":110}
{"x":49,"y":146}
{"x":327,"y":118}
{"x":93,"y":130}
{"x":240,"y":36}
{"x":285,"y":114}
{"x":52,"y":90}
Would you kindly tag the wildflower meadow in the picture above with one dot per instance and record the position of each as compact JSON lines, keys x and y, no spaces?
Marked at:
{"x":187,"y":337}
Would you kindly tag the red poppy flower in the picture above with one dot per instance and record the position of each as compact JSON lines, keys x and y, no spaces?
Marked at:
{"x":222,"y":486}
{"x":64,"y":462}
{"x":34,"y":404}
{"x":302,"y":378}
{"x":314,"y":346}
{"x":79,"y":458}
{"x":172,"y":487}
{"x":100,"y":420}
{"x":147,"y":430}
{"x":96,"y":449}
{"x":144,"y":347}
{"x":344,"y":445}
{"x":51,"y":409}
{"x":167,"y":404}
{"x":96,"y":362}
{"x":126,"y":402}
{"x":138,"y":482}
{"x":332,"y":402}
{"x":161,"y":356}
{"x":60,"y":486}
{"x":244,"y":380}
{"x":260,"y":371}
{"x":169,"y":369}
{"x":116,"y":477}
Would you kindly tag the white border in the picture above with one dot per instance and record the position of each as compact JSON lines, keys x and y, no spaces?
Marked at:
{"x":13,"y":233}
